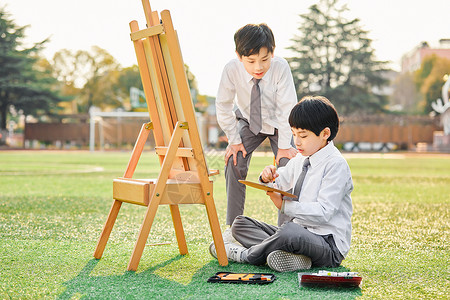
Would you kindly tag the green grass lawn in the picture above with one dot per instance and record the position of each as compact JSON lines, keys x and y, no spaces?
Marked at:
{"x":53,"y":206}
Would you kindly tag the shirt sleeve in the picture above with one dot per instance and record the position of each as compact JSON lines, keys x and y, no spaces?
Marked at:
{"x":286,"y":99}
{"x":286,"y":175}
{"x":334,"y":185}
{"x":224,"y":107}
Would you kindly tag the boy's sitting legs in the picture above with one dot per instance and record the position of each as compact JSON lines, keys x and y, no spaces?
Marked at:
{"x":287,"y":248}
{"x":280,"y":261}
{"x":277,"y":260}
{"x":262,"y":239}
{"x":250,"y":232}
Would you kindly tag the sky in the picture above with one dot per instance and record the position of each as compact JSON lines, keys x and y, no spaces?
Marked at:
{"x":206,"y":27}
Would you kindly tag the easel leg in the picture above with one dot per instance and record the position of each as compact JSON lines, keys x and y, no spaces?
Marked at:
{"x":154,"y":200}
{"x":142,"y":238}
{"x":112,"y":216}
{"x":216,"y":232}
{"x":179,"y":231}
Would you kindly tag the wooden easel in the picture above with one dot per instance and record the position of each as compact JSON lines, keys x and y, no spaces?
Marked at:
{"x":183,"y":178}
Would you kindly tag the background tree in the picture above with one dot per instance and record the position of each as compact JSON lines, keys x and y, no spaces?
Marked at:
{"x":102,"y":75}
{"x":335,"y":59}
{"x":93,"y":75}
{"x":94,"y":78}
{"x":129,"y":77}
{"x":24,"y":84}
{"x":65,"y":70}
{"x":430,"y":79}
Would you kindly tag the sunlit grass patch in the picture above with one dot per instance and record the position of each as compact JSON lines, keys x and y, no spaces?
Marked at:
{"x":53,"y":206}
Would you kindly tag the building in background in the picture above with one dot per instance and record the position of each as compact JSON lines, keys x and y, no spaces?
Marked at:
{"x":412,"y":60}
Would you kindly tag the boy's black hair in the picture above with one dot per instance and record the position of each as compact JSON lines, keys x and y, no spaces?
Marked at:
{"x":252,"y":37}
{"x":315,"y":113}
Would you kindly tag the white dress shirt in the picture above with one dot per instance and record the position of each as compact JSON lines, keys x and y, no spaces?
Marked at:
{"x":278,"y":96}
{"x":324,"y":205}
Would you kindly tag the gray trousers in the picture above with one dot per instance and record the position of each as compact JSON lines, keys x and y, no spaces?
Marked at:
{"x":233,"y":173}
{"x":261,"y":238}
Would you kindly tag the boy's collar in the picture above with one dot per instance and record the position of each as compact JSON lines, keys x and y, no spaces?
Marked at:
{"x":248,"y":77}
{"x":320,"y":155}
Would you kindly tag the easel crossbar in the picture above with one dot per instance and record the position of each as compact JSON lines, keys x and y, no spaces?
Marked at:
{"x":147,"y":32}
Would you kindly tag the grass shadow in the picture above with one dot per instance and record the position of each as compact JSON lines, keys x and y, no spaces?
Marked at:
{"x":147,"y":284}
{"x":114,"y":286}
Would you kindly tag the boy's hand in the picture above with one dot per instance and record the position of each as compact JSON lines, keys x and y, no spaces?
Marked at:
{"x":288,"y":153}
{"x":269,"y":174}
{"x":233,"y":150}
{"x":276,"y":199}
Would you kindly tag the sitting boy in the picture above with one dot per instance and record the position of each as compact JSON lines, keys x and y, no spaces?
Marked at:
{"x":319,"y":232}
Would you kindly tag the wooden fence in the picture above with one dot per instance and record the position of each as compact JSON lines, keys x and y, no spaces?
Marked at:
{"x":112,"y":133}
{"x":399,"y":134}
{"x":405,"y":132}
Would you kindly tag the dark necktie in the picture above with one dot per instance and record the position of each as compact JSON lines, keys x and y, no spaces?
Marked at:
{"x":255,"y":108}
{"x":301,"y":178}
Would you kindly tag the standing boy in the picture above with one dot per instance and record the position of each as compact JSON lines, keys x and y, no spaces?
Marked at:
{"x":255,"y":96}
{"x":320,"y":230}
